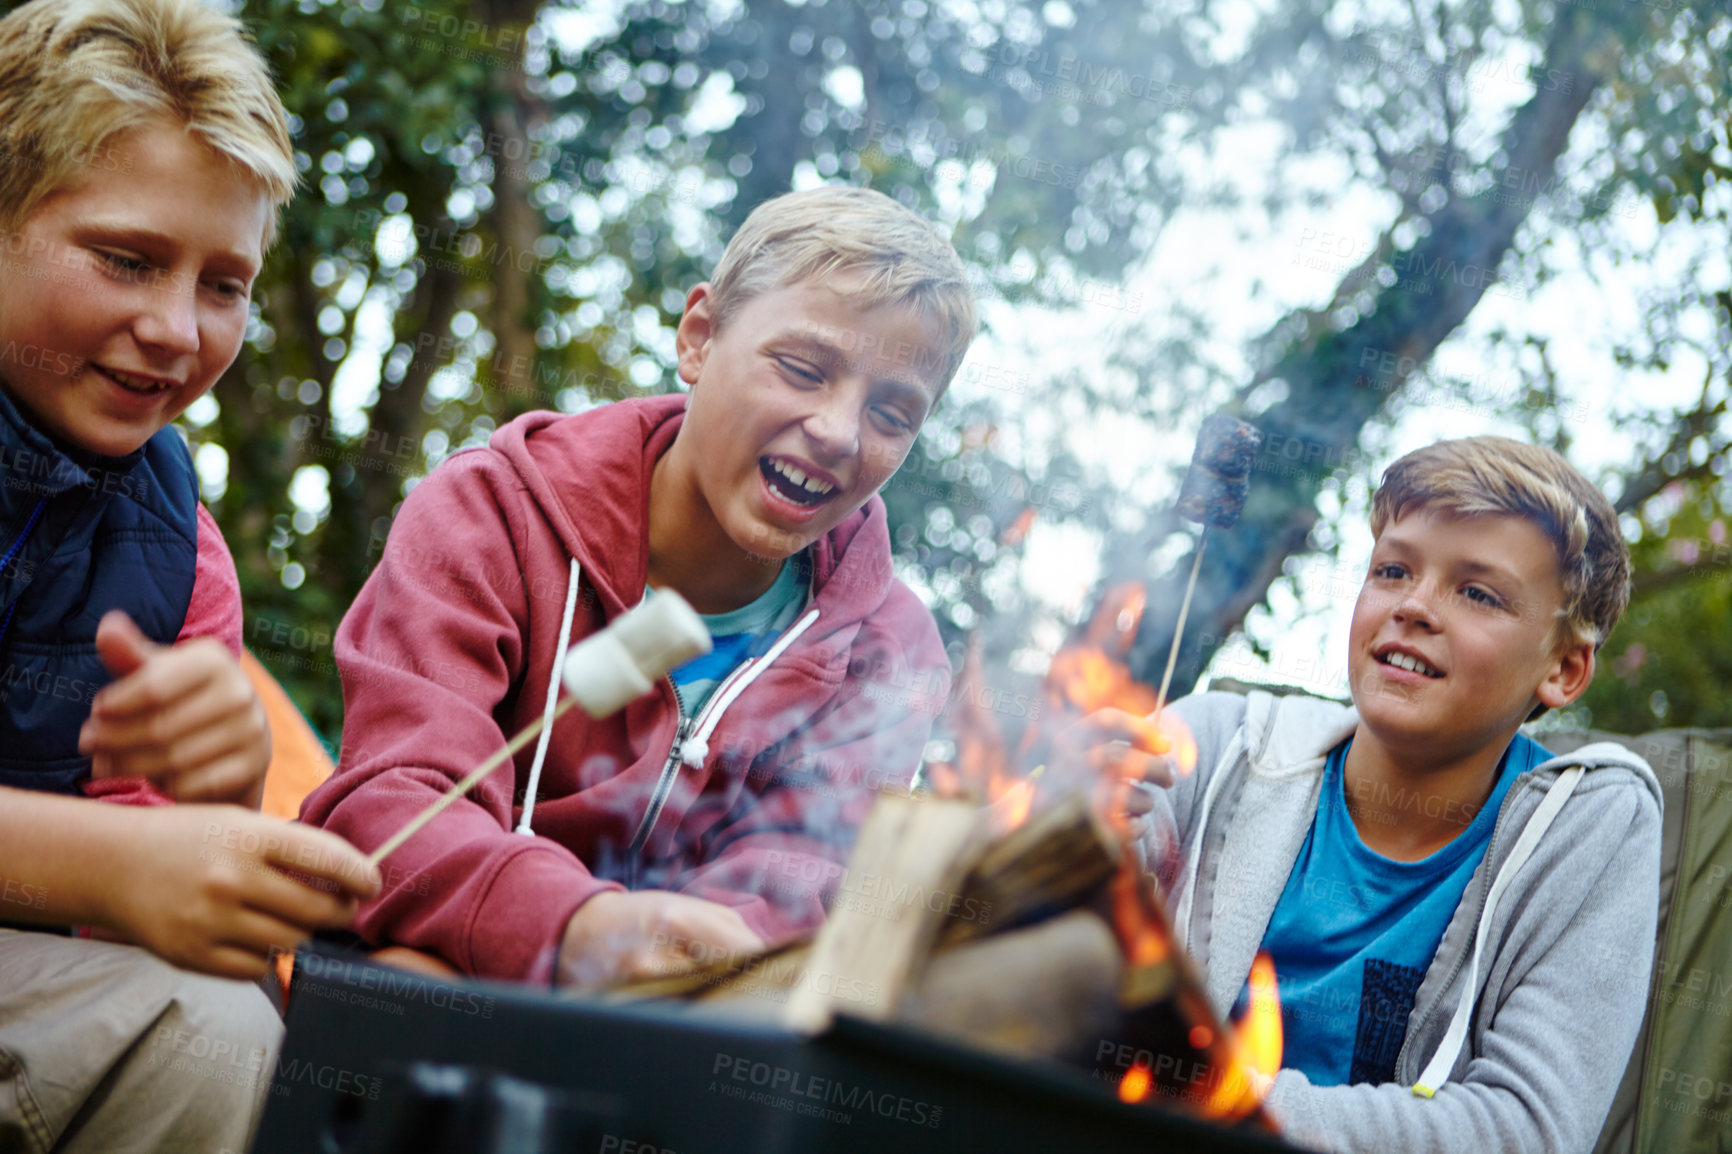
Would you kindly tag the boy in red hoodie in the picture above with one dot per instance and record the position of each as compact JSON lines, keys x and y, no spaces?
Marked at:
{"x":711,"y":815}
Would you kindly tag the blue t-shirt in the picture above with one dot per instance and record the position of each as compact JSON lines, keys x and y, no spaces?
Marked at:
{"x":1354,"y":931}
{"x":744,"y":632}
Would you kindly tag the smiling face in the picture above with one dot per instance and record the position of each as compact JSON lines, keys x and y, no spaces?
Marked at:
{"x":802,"y":406}
{"x":1456,"y":635}
{"x":123,"y":297}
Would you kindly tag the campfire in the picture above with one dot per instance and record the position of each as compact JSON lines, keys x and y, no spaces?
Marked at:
{"x":1009,"y":909}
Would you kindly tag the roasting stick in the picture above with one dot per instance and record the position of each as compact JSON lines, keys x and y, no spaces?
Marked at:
{"x":497,"y":759}
{"x":602,"y":673}
{"x":1213,"y":495}
{"x":1179,"y":629}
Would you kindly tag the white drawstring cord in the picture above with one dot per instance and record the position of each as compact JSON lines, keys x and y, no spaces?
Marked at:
{"x":523,"y":826}
{"x":697,"y":746}
{"x":1436,"y":1071}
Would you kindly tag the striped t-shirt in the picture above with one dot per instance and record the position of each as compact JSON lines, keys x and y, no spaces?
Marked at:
{"x":742,"y":633}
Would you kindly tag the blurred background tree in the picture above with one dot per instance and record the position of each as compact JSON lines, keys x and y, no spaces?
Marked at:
{"x":505,"y":203}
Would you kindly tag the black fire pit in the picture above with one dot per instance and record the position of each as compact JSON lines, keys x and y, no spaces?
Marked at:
{"x":379,"y":1061}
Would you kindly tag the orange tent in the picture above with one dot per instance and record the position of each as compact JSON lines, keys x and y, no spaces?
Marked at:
{"x":298,"y":759}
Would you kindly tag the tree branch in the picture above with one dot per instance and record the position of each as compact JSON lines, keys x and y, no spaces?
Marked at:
{"x":1654,"y":476}
{"x":1330,"y":393}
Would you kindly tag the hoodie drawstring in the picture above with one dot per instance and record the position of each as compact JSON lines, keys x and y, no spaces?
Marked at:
{"x":523,"y":826}
{"x":697,"y":747}
{"x":1437,"y":1071}
{"x":692,"y":750}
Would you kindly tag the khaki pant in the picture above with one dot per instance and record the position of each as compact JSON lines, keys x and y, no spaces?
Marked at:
{"x":106,"y":1048}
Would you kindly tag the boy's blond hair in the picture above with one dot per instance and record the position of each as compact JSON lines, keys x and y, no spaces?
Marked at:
{"x":886,"y":253}
{"x":1480,"y":475}
{"x":76,"y":73}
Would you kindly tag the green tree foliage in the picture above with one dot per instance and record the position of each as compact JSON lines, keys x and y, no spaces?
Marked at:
{"x":505,"y":203}
{"x":494,"y":222}
{"x":1470,"y":212}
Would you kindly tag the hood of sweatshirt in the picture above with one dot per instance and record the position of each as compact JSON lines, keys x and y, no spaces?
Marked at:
{"x":1293,"y":735}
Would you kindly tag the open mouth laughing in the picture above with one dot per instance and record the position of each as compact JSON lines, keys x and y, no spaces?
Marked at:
{"x":793,"y":484}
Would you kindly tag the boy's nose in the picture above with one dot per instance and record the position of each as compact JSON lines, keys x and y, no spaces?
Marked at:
{"x":1414,"y":607}
{"x":169,"y":321}
{"x":834,"y":428}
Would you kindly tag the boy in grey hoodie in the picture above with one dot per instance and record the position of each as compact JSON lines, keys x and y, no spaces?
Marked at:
{"x":1441,"y":897}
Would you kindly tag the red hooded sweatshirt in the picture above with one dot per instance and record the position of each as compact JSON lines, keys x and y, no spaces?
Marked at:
{"x":451,"y":647}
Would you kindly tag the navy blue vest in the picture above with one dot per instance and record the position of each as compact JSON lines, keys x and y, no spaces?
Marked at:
{"x":80,"y":535}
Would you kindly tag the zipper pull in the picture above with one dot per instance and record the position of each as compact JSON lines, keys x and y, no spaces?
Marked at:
{"x":684,"y":730}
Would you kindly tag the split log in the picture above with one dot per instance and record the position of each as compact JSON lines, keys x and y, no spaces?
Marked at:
{"x":869,"y":952}
{"x":1046,"y":991}
{"x":1057,"y":860}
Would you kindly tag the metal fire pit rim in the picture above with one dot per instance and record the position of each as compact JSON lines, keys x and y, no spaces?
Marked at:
{"x":897,"y":1042}
{"x":902,"y":1041}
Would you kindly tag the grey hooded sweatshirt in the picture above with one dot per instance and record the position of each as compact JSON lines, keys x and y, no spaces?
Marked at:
{"x":1527,"y":1014}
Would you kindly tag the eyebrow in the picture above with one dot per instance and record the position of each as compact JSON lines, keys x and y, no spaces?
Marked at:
{"x":1494,"y":571}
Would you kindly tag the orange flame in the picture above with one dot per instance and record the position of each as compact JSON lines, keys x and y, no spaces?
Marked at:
{"x":1136,"y":1084}
{"x":1012,"y":807}
{"x":1091,"y":675}
{"x":1254,"y":1049}
{"x":1084,"y":677}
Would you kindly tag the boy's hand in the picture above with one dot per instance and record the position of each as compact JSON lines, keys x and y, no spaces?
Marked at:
{"x":184,"y":717}
{"x":220,"y":888}
{"x":641,"y":935}
{"x":1119,"y":751}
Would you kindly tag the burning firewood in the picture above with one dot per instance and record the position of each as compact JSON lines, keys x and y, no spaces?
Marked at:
{"x":1180,"y":1052}
{"x":922,"y":846}
{"x":1045,"y":942}
{"x":1057,"y":860}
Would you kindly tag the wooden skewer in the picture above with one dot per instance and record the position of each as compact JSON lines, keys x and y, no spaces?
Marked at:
{"x":1179,"y":629}
{"x":522,"y":738}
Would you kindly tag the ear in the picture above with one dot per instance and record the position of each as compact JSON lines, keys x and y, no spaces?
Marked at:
{"x":1571,"y":674}
{"x":696,"y":333}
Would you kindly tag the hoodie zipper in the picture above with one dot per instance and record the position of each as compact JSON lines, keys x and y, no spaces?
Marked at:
{"x":671,"y":767}
{"x":721,"y":698}
{"x":664,"y":783}
{"x":1462,"y":958}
